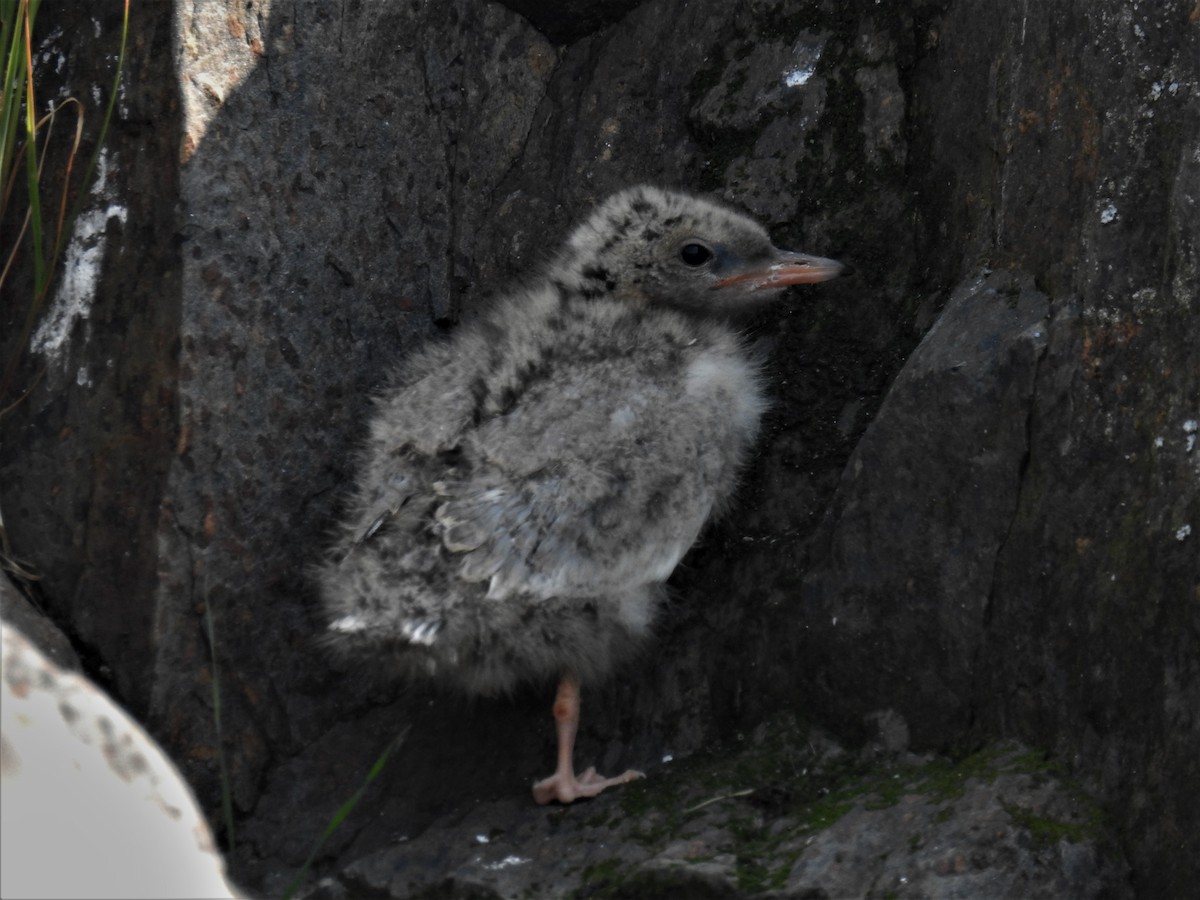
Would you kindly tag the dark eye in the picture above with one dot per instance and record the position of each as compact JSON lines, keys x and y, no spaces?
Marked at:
{"x":695,"y":254}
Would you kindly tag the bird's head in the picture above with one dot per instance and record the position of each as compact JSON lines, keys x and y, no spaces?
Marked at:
{"x":660,"y":247}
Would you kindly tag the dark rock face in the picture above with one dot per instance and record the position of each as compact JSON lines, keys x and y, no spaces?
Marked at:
{"x":896,"y":616}
{"x":1093,"y":631}
{"x":976,"y":508}
{"x":569,"y":20}
{"x":86,"y":455}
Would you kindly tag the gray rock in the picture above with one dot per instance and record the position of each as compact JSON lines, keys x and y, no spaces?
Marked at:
{"x":1002,"y":837}
{"x":884,"y":598}
{"x":777,"y":818}
{"x":36,"y":627}
{"x":569,"y":20}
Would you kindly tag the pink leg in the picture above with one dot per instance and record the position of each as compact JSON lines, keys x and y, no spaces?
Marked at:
{"x":563,"y":786}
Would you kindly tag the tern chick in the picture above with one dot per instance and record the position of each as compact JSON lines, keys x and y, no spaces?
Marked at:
{"x":528,"y":486}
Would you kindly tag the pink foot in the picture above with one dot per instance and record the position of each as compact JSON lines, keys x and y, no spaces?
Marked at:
{"x":566,"y":788}
{"x":563,"y":785}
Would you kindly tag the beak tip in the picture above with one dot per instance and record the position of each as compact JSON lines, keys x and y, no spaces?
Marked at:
{"x":789,"y":269}
{"x":814,"y":270}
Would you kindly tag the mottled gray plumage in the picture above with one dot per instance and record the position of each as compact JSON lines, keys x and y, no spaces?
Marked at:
{"x":528,"y":486}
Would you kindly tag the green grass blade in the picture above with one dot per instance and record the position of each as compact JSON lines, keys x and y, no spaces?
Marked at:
{"x":13,"y":91}
{"x":18,"y":29}
{"x":226,"y":784}
{"x":344,"y":810}
{"x":22,"y":61}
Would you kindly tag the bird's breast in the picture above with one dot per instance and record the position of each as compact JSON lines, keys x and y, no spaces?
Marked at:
{"x":730,"y":383}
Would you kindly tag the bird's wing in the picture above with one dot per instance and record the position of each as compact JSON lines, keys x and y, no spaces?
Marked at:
{"x":421,"y":419}
{"x":598,"y":479}
{"x":387,"y":498}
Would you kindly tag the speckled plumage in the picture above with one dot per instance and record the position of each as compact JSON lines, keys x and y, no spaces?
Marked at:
{"x":528,"y":486}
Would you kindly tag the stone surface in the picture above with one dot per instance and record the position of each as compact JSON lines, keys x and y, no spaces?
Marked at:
{"x":85,"y":454}
{"x":292,"y":196}
{"x":896,"y":616}
{"x":1093,"y":626}
{"x":569,"y":20}
{"x":18,"y":611}
{"x":1003,"y":837}
{"x":785,"y":815}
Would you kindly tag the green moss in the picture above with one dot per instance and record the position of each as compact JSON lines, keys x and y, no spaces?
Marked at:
{"x":767,"y":797}
{"x":823,"y":813}
{"x":602,"y":820}
{"x":1045,"y":831}
{"x":1129,"y":552}
{"x":605,"y":870}
{"x":605,"y":879}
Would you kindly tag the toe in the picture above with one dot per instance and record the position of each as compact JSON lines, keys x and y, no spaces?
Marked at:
{"x":569,"y":788}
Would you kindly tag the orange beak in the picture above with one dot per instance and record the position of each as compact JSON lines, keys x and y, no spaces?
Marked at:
{"x":788,"y":269}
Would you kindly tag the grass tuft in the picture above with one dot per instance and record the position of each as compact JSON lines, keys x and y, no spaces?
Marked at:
{"x":226,"y":784}
{"x":20,"y":131}
{"x":343,"y":811}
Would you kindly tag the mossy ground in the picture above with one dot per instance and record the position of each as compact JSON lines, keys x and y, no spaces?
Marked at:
{"x":763,"y":797}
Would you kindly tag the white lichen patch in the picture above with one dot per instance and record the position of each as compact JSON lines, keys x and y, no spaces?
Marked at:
{"x":1109,"y":214}
{"x":1182,"y":532}
{"x":805,"y":56}
{"x":48,"y":56}
{"x":79,"y":272}
{"x":508,"y":861}
{"x":798,"y":76}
